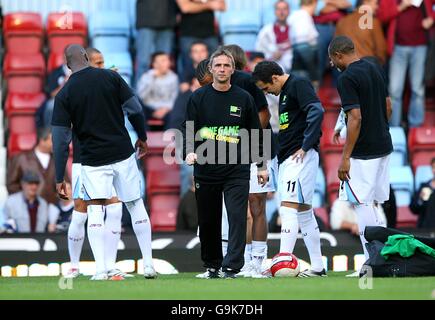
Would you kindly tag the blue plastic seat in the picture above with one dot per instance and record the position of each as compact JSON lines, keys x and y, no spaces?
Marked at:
{"x":399,"y":156}
{"x":109,"y":44}
{"x":239,"y":22}
{"x":245,"y":40}
{"x":402,"y":181}
{"x":109,"y":23}
{"x":122,"y":61}
{"x":422,"y":175}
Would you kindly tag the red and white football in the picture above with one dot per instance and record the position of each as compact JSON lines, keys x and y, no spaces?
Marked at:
{"x":284,"y":264}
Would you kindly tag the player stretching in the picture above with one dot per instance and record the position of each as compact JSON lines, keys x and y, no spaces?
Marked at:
{"x":363,"y":172}
{"x":113,"y":208}
{"x":91,"y":103}
{"x":301,"y":115}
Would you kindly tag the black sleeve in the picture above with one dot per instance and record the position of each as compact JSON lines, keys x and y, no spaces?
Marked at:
{"x":134,"y":111}
{"x":347,"y":90}
{"x":258,"y":95}
{"x":305,"y":93}
{"x":61,"y":116}
{"x":254,"y":123}
{"x":125,"y":92}
{"x":188,"y":128}
{"x":53,"y":80}
{"x":61,"y":137}
{"x":314,"y":119}
{"x":417,"y":205}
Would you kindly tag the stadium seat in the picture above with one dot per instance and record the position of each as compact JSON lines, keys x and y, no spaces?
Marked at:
{"x":156,"y":163}
{"x":402,"y":182}
{"x":55,"y":60}
{"x":64,"y":29}
{"x":405,"y":218}
{"x":163,"y":209}
{"x":399,"y":156}
{"x":22,"y":124}
{"x":23,"y":103}
{"x":421,"y":144}
{"x":329,"y":98}
{"x":110,"y":31}
{"x":163,"y":182}
{"x":24,"y":73}
{"x":20,"y":142}
{"x":429,"y":118}
{"x":322,"y":213}
{"x":422,"y":175}
{"x":122,"y":61}
{"x":158,"y":142}
{"x":23,"y":32}
{"x":245,"y":40}
{"x":330,"y":118}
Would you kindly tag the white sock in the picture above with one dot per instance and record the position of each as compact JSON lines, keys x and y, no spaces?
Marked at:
{"x":259,"y":252}
{"x":96,"y":235}
{"x":224,"y":248}
{"x":142,"y":229}
{"x":311,"y":233}
{"x":248,"y":253}
{"x":367,"y":215}
{"x":76,"y":237}
{"x":112,"y":234}
{"x":289,"y":228}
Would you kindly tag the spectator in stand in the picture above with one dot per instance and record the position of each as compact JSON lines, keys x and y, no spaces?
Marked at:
{"x":274,"y":38}
{"x":27,"y":211}
{"x":343,"y":216}
{"x":65,"y":208}
{"x":407,"y":38}
{"x":38,"y":160}
{"x":158,"y":88}
{"x":423,"y":202}
{"x":55,"y":81}
{"x":254,"y":58}
{"x":198,"y":52}
{"x":197,"y":24}
{"x":187,"y":215}
{"x":327,"y":14}
{"x":303,"y":37}
{"x":155,"y":23}
{"x":369,"y":39}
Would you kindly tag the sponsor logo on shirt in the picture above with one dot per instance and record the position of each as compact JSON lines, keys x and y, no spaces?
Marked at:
{"x":228,"y":134}
{"x":283,"y":121}
{"x":235,"y":111}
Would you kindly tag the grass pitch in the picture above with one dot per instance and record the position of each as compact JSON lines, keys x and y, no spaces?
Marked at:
{"x":185,"y":286}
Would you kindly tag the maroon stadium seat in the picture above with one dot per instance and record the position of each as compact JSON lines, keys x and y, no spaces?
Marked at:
{"x":24,"y":73}
{"x":23,"y":32}
{"x":156,"y":143}
{"x":329,"y":98}
{"x":163,"y":181}
{"x":21,"y":124}
{"x":330,"y":118}
{"x":327,"y":144}
{"x":405,"y":218}
{"x":163,"y":211}
{"x":64,"y":29}
{"x":421,"y":144}
{"x":429,"y":118}
{"x":23,"y":103}
{"x":156,"y":163}
{"x":55,"y":60}
{"x":21,"y":142}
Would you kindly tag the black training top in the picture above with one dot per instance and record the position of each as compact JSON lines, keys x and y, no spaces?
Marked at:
{"x":218,"y":118}
{"x":297,"y":95}
{"x":362,"y":85}
{"x":198,"y":25}
{"x":91,"y":101}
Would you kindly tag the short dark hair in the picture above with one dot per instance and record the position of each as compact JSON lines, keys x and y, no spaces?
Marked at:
{"x":198,"y":42}
{"x":156,"y":54}
{"x":43,"y":133}
{"x":222,"y":52}
{"x":90,"y":51}
{"x":341,"y":44}
{"x":202,"y":70}
{"x":238,"y":54}
{"x":264,"y":71}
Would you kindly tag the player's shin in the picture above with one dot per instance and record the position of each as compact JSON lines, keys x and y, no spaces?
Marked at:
{"x":289,"y":228}
{"x":311,"y":234}
{"x":76,"y":236}
{"x":96,"y":235}
{"x":112,"y":233}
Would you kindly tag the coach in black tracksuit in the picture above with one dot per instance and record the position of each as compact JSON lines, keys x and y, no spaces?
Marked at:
{"x":219,"y":112}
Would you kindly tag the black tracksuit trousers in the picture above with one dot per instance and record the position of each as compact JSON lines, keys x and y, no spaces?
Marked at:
{"x":209,"y":201}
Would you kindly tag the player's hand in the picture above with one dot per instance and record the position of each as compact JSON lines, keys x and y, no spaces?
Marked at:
{"x":299,"y":155}
{"x":263,"y":177}
{"x":51,"y":227}
{"x":354,"y":229}
{"x":427,"y":23}
{"x":343,"y":170}
{"x":191,"y":158}
{"x":61,"y":190}
{"x":141,"y":148}
{"x":336,"y":137}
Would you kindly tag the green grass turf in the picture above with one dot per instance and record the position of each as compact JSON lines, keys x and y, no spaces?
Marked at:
{"x":185,"y":287}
